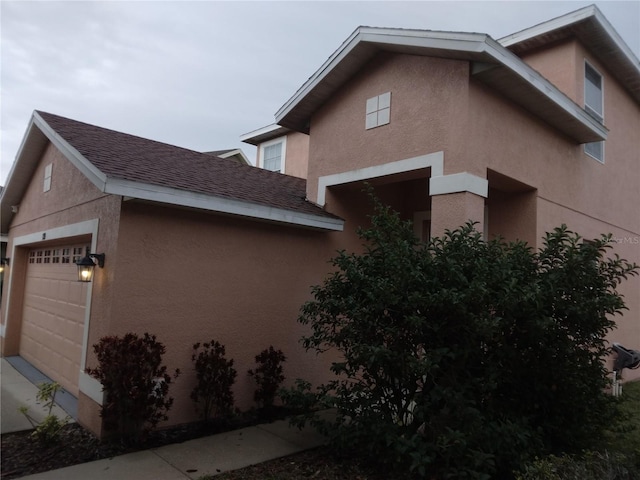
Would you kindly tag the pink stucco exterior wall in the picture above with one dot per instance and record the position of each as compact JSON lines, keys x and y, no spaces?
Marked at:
{"x":72,"y":199}
{"x":296,"y":154}
{"x":297,"y":159}
{"x":188,"y":277}
{"x":437,"y":106}
{"x":428,"y":114}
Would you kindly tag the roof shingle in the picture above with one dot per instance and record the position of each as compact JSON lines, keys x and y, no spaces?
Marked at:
{"x":122,"y":156}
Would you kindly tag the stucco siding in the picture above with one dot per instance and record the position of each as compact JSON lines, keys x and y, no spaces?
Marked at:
{"x":44,"y":218}
{"x":428,"y":114}
{"x":437,"y":106}
{"x":188,"y":277}
{"x":297,"y":159}
{"x":561,"y":66}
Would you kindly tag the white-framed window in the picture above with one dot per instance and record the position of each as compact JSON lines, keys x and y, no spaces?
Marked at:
{"x":272,"y":154}
{"x":593,"y":92}
{"x":595,"y":150}
{"x":594,"y":105}
{"x":378,"y":111}
{"x":47,"y":178}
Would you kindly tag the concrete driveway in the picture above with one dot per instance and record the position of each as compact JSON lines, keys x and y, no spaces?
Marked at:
{"x":17,"y":391}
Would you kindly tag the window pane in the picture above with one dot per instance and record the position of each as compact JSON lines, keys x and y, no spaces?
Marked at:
{"x":595,"y":149}
{"x":272,"y":157}
{"x":593,"y":90}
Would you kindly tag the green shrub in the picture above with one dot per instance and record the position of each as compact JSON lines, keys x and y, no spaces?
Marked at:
{"x":135,"y":383}
{"x":462,"y":358}
{"x":47,"y":431}
{"x":268,"y":376}
{"x":215,"y":376}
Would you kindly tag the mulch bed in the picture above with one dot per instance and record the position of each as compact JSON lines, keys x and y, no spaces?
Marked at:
{"x":21,"y":454}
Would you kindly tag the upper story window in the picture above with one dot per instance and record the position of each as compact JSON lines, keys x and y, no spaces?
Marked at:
{"x":593,"y":92}
{"x":272,"y":154}
{"x":378,"y":111}
{"x":594,"y":105}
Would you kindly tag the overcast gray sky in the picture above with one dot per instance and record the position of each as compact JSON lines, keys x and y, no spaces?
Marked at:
{"x":198,"y":74}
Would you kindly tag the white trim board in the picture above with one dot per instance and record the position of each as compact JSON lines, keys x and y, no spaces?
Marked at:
{"x":435,"y":161}
{"x":155,"y":193}
{"x":87,"y":227}
{"x":458,"y":182}
{"x":439,"y":184}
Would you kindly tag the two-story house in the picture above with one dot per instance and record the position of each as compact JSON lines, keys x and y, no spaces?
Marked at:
{"x":519,"y":135}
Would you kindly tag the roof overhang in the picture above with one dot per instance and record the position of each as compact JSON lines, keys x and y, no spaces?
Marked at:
{"x":595,"y":32}
{"x":39,"y":134}
{"x":264,"y":134}
{"x":491,"y":63}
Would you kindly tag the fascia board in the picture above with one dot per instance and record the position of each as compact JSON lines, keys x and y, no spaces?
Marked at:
{"x":10,"y":191}
{"x":455,"y":41}
{"x":543,"y":86}
{"x":25,"y":163}
{"x":236,"y":151}
{"x":548,"y":26}
{"x":28,"y":136}
{"x":184,"y":198}
{"x":94,"y":174}
{"x":476,"y":44}
{"x":265,"y":133}
{"x":590,"y":12}
{"x":617,"y":39}
{"x":425,"y":39}
{"x":347,"y":46}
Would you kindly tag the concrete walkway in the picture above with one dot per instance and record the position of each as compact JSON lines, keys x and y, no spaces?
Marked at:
{"x":17,"y":391}
{"x":191,"y":460}
{"x":188,"y":460}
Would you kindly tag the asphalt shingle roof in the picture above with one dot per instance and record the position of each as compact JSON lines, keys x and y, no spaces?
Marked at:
{"x":128,"y":157}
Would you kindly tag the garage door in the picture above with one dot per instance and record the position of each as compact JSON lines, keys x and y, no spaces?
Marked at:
{"x":53,"y":314}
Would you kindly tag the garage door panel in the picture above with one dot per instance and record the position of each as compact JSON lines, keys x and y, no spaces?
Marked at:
{"x":54,"y":314}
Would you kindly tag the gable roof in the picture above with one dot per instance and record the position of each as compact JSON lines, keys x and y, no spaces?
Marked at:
{"x":256,"y":137}
{"x":595,"y":32}
{"x":234,"y":153}
{"x":135,"y":167}
{"x":491,"y":62}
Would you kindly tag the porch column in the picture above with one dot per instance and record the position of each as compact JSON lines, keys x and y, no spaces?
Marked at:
{"x":455,"y":200}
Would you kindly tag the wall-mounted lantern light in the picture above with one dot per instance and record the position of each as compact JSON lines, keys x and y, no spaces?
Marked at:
{"x":4,"y":261}
{"x":86,"y":265}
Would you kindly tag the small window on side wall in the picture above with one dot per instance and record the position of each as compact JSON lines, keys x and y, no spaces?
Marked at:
{"x":378,"y":111}
{"x":594,"y":105}
{"x":48,"y":170}
{"x":595,"y":150}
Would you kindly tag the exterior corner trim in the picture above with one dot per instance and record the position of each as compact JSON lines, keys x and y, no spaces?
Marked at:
{"x":458,"y":182}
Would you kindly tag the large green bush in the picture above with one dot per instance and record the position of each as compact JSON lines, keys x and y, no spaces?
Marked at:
{"x":462,"y":358}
